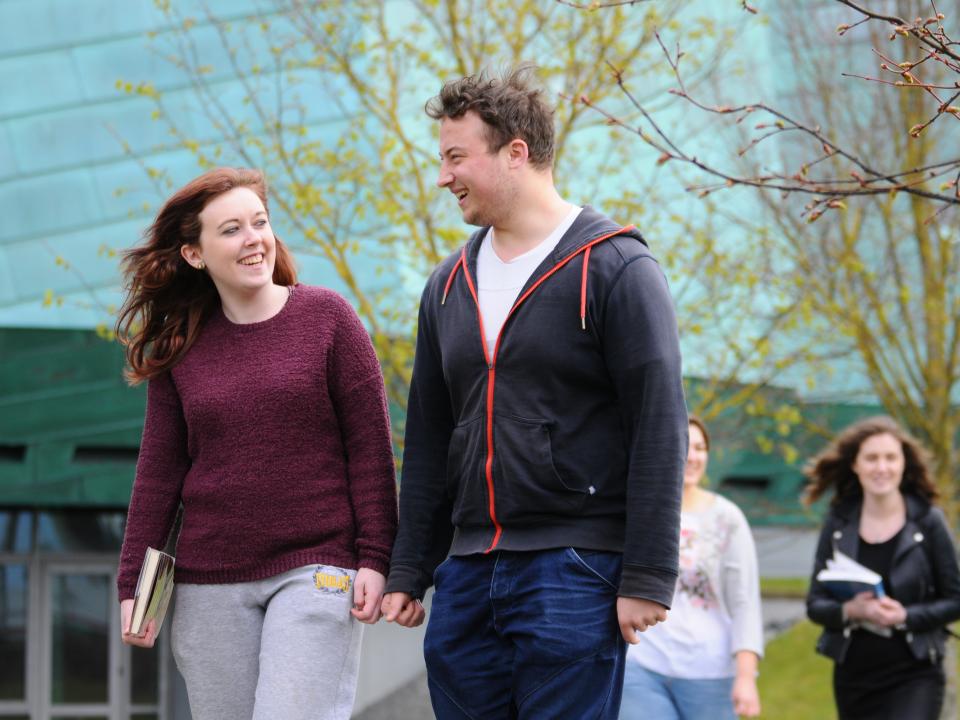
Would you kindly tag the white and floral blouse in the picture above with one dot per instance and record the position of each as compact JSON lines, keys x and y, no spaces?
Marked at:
{"x":716,"y":606}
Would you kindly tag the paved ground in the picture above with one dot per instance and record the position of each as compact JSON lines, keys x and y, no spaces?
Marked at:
{"x":785,"y":552}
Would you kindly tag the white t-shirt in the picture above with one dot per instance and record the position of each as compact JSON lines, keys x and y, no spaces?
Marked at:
{"x":695,"y":641}
{"x":499,"y":283}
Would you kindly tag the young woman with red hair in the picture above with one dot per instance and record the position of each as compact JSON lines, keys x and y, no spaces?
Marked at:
{"x":266,"y":420}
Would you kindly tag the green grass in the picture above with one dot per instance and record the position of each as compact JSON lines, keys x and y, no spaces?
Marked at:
{"x":784,"y":587}
{"x":795,"y":682}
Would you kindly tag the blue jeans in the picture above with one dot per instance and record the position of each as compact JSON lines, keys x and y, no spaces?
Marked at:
{"x":526,"y":635}
{"x":651,"y":696}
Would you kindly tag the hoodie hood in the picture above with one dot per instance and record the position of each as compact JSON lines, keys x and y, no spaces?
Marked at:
{"x":589,"y":229}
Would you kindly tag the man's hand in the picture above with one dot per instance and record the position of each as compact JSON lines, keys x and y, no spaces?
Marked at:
{"x":402,"y":609}
{"x":146,"y":638}
{"x":367,"y":594}
{"x":637,"y":614}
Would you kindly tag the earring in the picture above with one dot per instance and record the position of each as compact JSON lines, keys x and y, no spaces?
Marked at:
{"x":201,"y":265}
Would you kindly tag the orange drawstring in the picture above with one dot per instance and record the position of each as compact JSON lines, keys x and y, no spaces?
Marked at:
{"x":583,"y":289}
{"x":446,"y":288}
{"x":583,"y":275}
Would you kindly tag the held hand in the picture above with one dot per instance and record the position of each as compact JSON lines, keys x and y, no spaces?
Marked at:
{"x":402,"y":609}
{"x":145,"y":639}
{"x":889,"y":612}
{"x":859,"y":606}
{"x":367,"y":594}
{"x":637,"y":614}
{"x":746,"y":699}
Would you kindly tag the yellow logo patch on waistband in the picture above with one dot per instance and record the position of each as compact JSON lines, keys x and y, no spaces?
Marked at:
{"x":331,"y":580}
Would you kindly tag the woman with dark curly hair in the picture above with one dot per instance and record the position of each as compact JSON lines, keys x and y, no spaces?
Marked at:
{"x":888,"y":650}
{"x":266,"y":420}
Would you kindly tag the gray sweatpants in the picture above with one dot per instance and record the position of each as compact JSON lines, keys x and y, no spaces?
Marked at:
{"x":284,"y":647}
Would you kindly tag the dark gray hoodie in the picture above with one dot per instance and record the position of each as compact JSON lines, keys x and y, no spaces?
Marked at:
{"x":570,"y":432}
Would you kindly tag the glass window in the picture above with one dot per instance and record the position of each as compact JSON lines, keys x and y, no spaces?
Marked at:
{"x":16,"y":531}
{"x":80,"y":531}
{"x":80,"y":605}
{"x":13,"y":632}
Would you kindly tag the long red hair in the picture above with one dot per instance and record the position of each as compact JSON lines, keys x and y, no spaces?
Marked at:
{"x":167,"y":300}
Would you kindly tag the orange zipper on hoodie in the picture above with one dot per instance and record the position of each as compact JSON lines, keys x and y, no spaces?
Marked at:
{"x":491,"y":358}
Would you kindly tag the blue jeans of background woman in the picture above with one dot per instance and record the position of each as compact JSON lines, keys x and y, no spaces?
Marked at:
{"x":648,"y":695}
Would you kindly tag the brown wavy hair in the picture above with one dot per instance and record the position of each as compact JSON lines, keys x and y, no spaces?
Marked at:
{"x":511,"y":106}
{"x":167,"y":300}
{"x":833,"y":467}
{"x":695,"y":420}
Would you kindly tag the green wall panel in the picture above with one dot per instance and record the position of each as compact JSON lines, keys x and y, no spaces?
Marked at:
{"x":69,"y":425}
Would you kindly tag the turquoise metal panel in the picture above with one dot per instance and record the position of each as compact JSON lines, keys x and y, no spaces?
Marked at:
{"x":8,"y":163}
{"x":72,"y":310}
{"x":33,"y":25}
{"x":90,"y":265}
{"x":34,"y":207}
{"x":7,"y":293}
{"x":81,"y":135}
{"x":18,"y":78}
{"x":37,"y":25}
{"x":130,"y":59}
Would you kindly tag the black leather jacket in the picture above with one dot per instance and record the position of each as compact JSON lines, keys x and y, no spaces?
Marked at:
{"x":924,"y":575}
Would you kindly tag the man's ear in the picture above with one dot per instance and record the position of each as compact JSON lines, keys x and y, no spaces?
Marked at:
{"x":517,"y":152}
{"x":191,"y":253}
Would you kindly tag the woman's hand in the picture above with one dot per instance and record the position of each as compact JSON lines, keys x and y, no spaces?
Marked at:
{"x":367,"y":594}
{"x":889,"y":612}
{"x":883,"y":611}
{"x":859,"y":606}
{"x":746,"y":699}
{"x":145,"y":639}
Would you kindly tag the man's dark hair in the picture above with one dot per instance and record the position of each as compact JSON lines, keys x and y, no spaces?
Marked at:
{"x":511,"y":106}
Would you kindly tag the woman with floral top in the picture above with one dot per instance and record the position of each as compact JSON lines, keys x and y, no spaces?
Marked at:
{"x":702,"y":663}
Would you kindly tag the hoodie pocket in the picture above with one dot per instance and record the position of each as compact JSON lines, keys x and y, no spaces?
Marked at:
{"x":527,"y":483}
{"x":466,"y":484}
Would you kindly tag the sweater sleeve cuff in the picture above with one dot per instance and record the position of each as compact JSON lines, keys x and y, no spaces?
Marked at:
{"x":648,"y":583}
{"x":126,"y":591}
{"x":374,"y":563}
{"x":406,"y":579}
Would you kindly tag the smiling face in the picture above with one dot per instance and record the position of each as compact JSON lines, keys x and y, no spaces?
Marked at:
{"x":236,"y":243}
{"x":697,"y":457}
{"x":879,"y":465}
{"x":478,"y":178}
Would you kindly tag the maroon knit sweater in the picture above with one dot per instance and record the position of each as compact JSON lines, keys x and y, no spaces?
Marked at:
{"x":275,"y":437}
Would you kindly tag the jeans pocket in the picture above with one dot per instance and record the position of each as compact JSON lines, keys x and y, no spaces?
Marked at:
{"x":438,"y":569}
{"x":599,"y":565}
